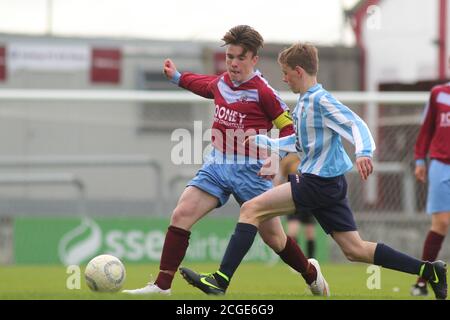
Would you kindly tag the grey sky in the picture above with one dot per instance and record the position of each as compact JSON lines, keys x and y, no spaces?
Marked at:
{"x":319,"y":21}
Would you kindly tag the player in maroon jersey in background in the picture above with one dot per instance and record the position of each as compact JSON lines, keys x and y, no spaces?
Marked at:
{"x":245,"y":105}
{"x":434,"y":141}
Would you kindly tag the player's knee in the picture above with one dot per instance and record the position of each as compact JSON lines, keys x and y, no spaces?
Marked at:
{"x":180,"y":216}
{"x":248,"y":212}
{"x":443,"y":228}
{"x":440,"y":225}
{"x":444,"y":224}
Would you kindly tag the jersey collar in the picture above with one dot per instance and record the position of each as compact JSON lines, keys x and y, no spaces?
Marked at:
{"x":237,"y":84}
{"x":314,"y":88}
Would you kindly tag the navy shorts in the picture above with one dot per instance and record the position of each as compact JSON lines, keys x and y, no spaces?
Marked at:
{"x":325,"y":198}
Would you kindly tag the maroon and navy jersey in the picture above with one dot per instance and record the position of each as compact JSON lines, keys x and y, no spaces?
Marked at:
{"x":247,"y":108}
{"x":434,"y":135}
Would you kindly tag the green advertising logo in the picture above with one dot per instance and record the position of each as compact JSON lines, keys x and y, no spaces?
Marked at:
{"x":74,"y":241}
{"x":81,"y":243}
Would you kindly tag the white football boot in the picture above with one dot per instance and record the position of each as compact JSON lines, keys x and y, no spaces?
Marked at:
{"x":320,"y":286}
{"x":149,"y":289}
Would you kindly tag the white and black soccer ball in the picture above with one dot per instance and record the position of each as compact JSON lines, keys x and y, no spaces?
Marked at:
{"x":105,"y":273}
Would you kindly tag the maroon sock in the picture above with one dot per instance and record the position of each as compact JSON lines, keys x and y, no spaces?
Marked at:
{"x":294,"y":257}
{"x":174,"y":249}
{"x":431,"y":248}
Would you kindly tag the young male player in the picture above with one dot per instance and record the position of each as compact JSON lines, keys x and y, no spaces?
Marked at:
{"x":320,"y":121}
{"x":434,"y":139}
{"x":245,"y":105}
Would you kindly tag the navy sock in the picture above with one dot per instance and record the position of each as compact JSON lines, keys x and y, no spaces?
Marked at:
{"x":395,"y":260}
{"x":240,"y":242}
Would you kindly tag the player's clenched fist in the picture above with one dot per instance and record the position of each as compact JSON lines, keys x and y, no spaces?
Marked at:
{"x":169,"y":69}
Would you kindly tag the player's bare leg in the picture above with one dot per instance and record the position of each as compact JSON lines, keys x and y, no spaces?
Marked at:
{"x":273,"y":203}
{"x":353,"y":247}
{"x":192,"y":206}
{"x":277,"y":202}
{"x":358,"y":250}
{"x":272,"y":233}
{"x":440,"y":222}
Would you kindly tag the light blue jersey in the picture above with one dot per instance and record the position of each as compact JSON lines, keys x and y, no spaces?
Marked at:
{"x":320,"y":121}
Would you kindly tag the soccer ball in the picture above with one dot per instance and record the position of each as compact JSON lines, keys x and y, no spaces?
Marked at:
{"x":105,"y":273}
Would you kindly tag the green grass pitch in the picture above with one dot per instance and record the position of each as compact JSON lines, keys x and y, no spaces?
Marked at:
{"x":251,"y":282}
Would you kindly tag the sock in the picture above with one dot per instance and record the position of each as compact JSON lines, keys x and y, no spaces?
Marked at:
{"x":221,"y":279}
{"x":294,"y":257}
{"x":240,"y":242}
{"x":164,"y":280}
{"x":311,"y":248}
{"x":395,"y":260}
{"x":431,"y":248}
{"x":174,"y":249}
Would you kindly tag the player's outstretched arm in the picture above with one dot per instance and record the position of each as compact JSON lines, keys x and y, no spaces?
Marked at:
{"x":197,"y":83}
{"x":169,"y":69}
{"x":286,"y":144}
